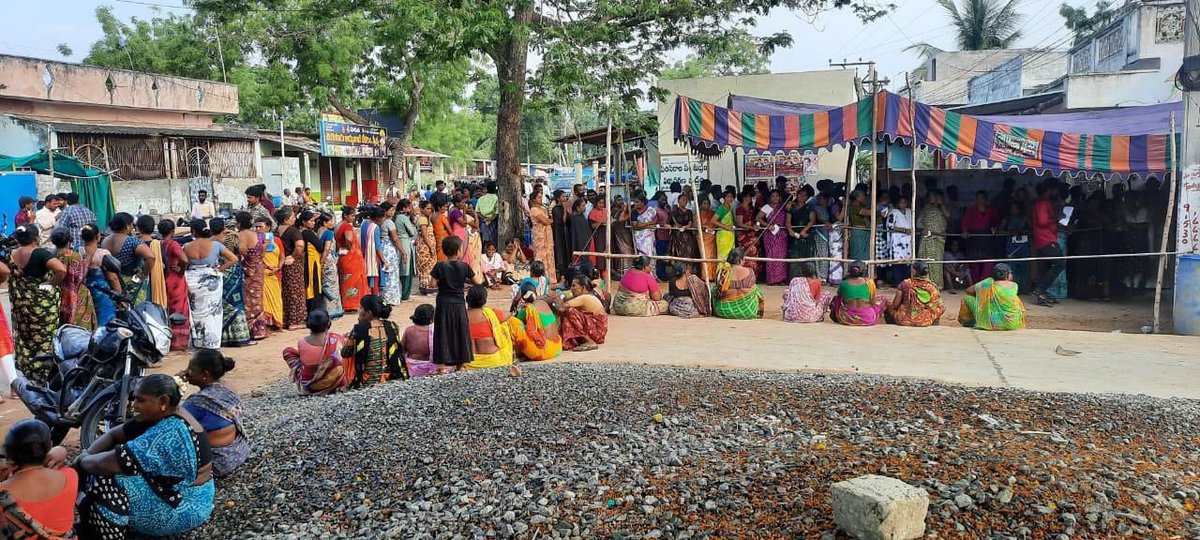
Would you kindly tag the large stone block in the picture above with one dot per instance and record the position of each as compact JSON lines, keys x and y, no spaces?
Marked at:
{"x":876,"y":507}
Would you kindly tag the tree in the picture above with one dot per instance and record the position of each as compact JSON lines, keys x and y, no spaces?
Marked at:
{"x":979,"y":25}
{"x":739,"y":54}
{"x":65,"y":50}
{"x":1077,"y":20}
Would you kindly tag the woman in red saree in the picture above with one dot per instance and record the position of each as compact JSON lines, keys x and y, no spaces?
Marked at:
{"x":584,"y":322}
{"x":351,"y":268}
{"x":747,"y":231}
{"x":175,"y":262}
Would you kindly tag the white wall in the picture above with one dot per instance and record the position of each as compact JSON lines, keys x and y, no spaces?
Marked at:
{"x":828,"y":87}
{"x":18,"y":138}
{"x":1123,"y":89}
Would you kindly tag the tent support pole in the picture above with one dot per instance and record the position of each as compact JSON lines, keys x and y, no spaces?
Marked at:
{"x":1166,"y":234}
{"x":699,"y":223}
{"x":913,"y":169}
{"x":874,"y":203}
{"x":608,"y":183}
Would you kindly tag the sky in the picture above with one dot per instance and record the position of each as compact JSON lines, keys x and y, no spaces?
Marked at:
{"x":36,"y":27}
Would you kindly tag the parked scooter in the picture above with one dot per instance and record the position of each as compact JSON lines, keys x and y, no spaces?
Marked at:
{"x":98,"y":370}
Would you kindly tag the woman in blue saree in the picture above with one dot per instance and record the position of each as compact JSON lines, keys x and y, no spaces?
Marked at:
{"x":218,"y":409}
{"x":152,"y":475}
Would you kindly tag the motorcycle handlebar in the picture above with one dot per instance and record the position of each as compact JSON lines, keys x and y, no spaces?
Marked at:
{"x":118,"y":296}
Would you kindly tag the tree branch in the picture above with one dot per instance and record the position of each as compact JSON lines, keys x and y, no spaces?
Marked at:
{"x":343,"y":110}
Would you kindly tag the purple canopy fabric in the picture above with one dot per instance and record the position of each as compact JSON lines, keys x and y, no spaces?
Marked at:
{"x":1144,"y":120}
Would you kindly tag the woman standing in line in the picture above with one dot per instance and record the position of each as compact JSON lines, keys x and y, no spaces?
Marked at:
{"x":709,"y":227}
{"x":272,"y":274}
{"x":622,"y":239}
{"x":598,"y":220}
{"x":426,"y":246}
{"x":389,"y":240}
{"x":407,"y":232}
{"x":98,"y":278}
{"x":560,"y":216}
{"x":726,"y":236}
{"x":900,"y":225}
{"x":76,"y":307}
{"x":747,"y":231}
{"x":683,"y":234}
{"x":174,"y":266}
{"x":351,"y":267}
{"x":205,"y":283}
{"x":330,"y":288}
{"x":314,"y":294}
{"x":543,"y":234}
{"x":292,"y":278}
{"x":774,"y":218}
{"x":441,"y":224}
{"x":253,"y":274}
{"x":135,"y":256}
{"x":933,"y":220}
{"x":34,"y":292}
{"x":235,"y":331}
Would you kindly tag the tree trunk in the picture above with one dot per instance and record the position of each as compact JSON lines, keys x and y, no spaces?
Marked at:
{"x":511,"y":61}
{"x":397,"y":145}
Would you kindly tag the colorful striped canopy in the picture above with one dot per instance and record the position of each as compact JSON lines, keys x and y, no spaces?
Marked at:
{"x":887,"y":116}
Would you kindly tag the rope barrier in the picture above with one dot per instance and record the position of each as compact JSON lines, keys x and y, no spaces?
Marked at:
{"x":882,"y":262}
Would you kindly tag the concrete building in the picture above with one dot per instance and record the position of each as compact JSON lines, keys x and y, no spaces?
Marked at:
{"x":157,"y":135}
{"x":947,"y":74}
{"x":1132,"y":61}
{"x":1029,"y":73}
{"x":827,"y":87}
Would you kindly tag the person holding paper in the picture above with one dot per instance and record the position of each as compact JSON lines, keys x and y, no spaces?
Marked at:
{"x":1045,"y":242}
{"x":774,"y":218}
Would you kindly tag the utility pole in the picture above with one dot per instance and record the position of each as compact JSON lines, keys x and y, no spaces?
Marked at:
{"x":877,"y":84}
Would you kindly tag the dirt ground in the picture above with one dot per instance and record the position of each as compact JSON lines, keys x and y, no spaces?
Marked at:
{"x":261,"y":364}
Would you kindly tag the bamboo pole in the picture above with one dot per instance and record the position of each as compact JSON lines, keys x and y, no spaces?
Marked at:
{"x":1166,"y":234}
{"x":912,"y":208}
{"x":608,"y":208}
{"x":890,"y":261}
{"x":874,"y":202}
{"x":699,"y":222}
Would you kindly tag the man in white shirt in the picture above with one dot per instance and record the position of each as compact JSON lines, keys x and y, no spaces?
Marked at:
{"x":288,"y":198}
{"x":203,"y":208}
{"x":47,"y":218}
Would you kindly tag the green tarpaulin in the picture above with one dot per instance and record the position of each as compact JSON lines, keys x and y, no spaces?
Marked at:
{"x":93,"y":185}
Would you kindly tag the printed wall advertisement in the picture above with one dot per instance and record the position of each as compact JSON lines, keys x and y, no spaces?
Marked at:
{"x":797,"y":167}
{"x":675,"y":169}
{"x":1188,"y":239}
{"x":759,"y":167}
{"x":426,"y":163}
{"x":343,"y":139}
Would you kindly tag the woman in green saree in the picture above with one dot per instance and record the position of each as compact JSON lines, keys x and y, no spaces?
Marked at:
{"x":736,"y":294}
{"x":993,"y":304}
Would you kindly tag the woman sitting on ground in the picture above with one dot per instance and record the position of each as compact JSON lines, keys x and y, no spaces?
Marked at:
{"x":374,"y":344}
{"x":36,"y":501}
{"x":690,"y":298}
{"x":534,"y":328}
{"x":151,"y":476}
{"x":639,"y":295}
{"x":416,"y":345}
{"x":315,"y":362}
{"x":491,"y":339}
{"x":584,"y":320}
{"x":218,"y":409}
{"x":856,"y":303}
{"x":918,"y":301}
{"x":537,"y":278}
{"x":993,"y":304}
{"x":804,"y":301}
{"x":736,"y":293}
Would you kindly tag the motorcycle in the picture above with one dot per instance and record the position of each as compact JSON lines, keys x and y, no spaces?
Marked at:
{"x":97,"y":370}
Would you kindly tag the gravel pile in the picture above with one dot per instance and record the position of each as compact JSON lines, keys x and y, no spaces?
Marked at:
{"x":589,"y":451}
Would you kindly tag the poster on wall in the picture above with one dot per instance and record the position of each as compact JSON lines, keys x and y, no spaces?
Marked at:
{"x":426,"y":164}
{"x":759,"y":167}
{"x":675,"y":169}
{"x":1189,"y":211}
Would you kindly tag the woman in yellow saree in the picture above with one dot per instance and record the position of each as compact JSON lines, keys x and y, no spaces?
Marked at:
{"x":993,"y":304}
{"x":272,"y":261}
{"x":535,"y":329}
{"x":491,"y":339}
{"x":724,"y":223}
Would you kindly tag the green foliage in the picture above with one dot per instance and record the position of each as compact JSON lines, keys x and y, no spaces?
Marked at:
{"x":65,"y":50}
{"x":1078,"y":21}
{"x":739,"y":54}
{"x":979,"y":25}
{"x":179,"y":45}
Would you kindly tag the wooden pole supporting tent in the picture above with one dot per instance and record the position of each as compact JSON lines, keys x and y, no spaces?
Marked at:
{"x":1169,"y":220}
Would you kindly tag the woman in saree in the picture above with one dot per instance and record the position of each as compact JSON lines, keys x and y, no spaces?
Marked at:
{"x":993,"y":304}
{"x":416,"y":344}
{"x":580,"y":230}
{"x":426,"y":247}
{"x":708,"y":237}
{"x":315,"y":362}
{"x":174,"y":263}
{"x":374,"y":346}
{"x":156,"y":275}
{"x":132,"y":252}
{"x":917,"y":302}
{"x":98,"y":278}
{"x":583,"y":319}
{"x":856,"y":303}
{"x":639,"y":294}
{"x":774,"y":218}
{"x":932,"y":222}
{"x":643,"y":220}
{"x":534,"y":327}
{"x":34,"y":292}
{"x":736,"y":294}
{"x":683,"y":233}
{"x":979,"y":222}
{"x":314,"y":293}
{"x":235,"y":331}
{"x":491,"y":340}
{"x":598,"y":221}
{"x":860,"y":224}
{"x":622,"y":238}
{"x":801,"y":230}
{"x":747,"y":230}
{"x":291,"y":277}
{"x":253,"y":245}
{"x":689,"y":296}
{"x":351,"y":268}
{"x":37,"y":502}
{"x":76,"y":300}
{"x":330,"y":288}
{"x":272,"y":268}
{"x":151,"y":476}
{"x":218,"y":409}
{"x":726,"y":237}
{"x":407,"y":232}
{"x":205,"y":282}
{"x":389,"y":248}
{"x":560,"y":217}
{"x":543,"y":235}
{"x":441,"y":225}
{"x":474,"y":245}
{"x":804,"y":301}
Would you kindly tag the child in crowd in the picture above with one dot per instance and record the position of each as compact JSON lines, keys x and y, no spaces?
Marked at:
{"x":957,"y":275}
{"x":417,"y":343}
{"x":452,"y":341}
{"x":495,"y":270}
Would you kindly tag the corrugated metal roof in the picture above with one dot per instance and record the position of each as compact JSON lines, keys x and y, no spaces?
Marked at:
{"x":222,"y":131}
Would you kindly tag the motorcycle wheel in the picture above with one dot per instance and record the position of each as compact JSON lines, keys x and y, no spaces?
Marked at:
{"x":98,"y":420}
